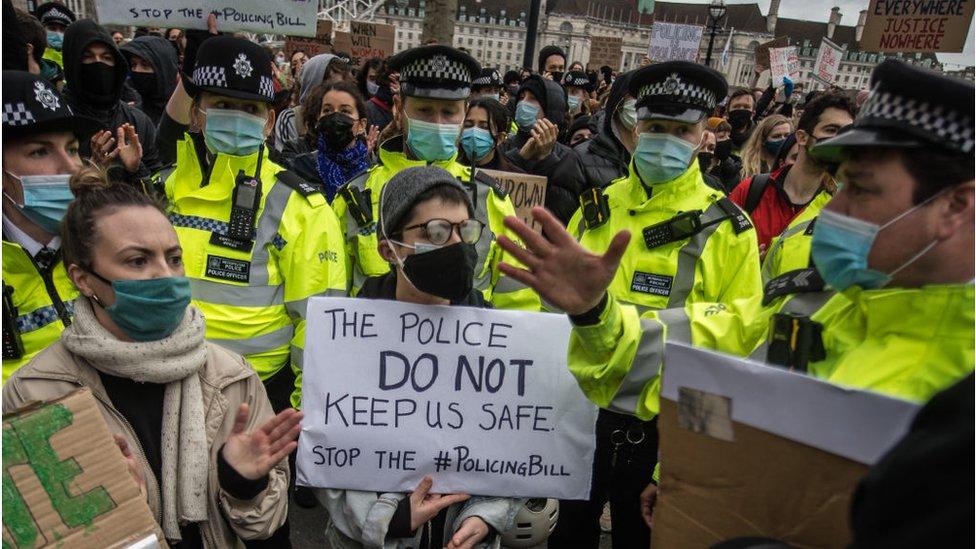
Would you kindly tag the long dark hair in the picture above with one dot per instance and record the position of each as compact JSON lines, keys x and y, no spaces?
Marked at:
{"x":371,"y":63}
{"x":313,"y":106}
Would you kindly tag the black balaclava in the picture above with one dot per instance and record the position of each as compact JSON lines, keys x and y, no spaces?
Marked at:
{"x":96,"y":85}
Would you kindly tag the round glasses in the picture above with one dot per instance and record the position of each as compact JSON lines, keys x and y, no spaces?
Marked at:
{"x":439,"y":231}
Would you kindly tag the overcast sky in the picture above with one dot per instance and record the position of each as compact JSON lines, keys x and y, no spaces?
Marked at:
{"x":819,"y":10}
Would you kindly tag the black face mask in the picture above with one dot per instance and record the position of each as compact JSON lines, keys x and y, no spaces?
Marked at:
{"x":101,"y":84}
{"x":336,"y":128}
{"x":144,"y":83}
{"x":446,"y":272}
{"x":705,"y":160}
{"x":723,"y":149}
{"x":740,"y":119}
{"x":557,"y":77}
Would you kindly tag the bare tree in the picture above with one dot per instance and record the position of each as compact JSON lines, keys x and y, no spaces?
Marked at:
{"x":439,"y":21}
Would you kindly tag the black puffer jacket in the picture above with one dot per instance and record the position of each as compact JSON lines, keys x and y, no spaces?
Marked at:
{"x":597,"y":162}
{"x":159,"y":53}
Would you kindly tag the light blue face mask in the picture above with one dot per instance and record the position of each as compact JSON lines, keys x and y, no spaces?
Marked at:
{"x":477,"y":143}
{"x":574,"y":103}
{"x":46,"y":199}
{"x":525,"y":115}
{"x":495,"y":96}
{"x":841,"y":245}
{"x":233,"y":132}
{"x":431,"y":142}
{"x":627,"y":113}
{"x":55,"y":39}
{"x":659,"y":158}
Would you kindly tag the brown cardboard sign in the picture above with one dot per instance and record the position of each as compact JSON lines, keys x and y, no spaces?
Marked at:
{"x":311,"y":46}
{"x":65,"y":482}
{"x":365,"y":40}
{"x":605,"y":50}
{"x":921,"y":26}
{"x":762,"y":50}
{"x":526,"y":191}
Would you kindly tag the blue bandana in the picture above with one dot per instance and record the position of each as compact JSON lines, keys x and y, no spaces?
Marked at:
{"x":337,"y":167}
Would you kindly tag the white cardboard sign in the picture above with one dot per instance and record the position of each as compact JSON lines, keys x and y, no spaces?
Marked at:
{"x":783,"y":62}
{"x":480,"y":399}
{"x":828,"y":61}
{"x":673,"y":41}
{"x":289,"y":17}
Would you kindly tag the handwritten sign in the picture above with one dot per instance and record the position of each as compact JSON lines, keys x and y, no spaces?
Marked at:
{"x":783,"y":62}
{"x":365,"y":40}
{"x":289,"y":17}
{"x":828,"y":61}
{"x":479,"y":399}
{"x":919,"y":26}
{"x":671,"y":41}
{"x":526,"y":191}
{"x":311,"y":46}
{"x":762,"y":50}
{"x":605,"y":51}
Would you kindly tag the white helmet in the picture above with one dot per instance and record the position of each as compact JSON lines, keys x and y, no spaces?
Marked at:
{"x":534,"y":523}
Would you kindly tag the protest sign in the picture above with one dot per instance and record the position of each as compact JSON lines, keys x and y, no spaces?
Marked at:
{"x":480,"y":399}
{"x":740,"y":440}
{"x":311,"y":46}
{"x":365,"y":40}
{"x":828,"y":61}
{"x":288,"y":17}
{"x":783,"y":62}
{"x":919,"y":26}
{"x":605,"y":50}
{"x":672,"y":41}
{"x":762,"y":50}
{"x":65,"y":482}
{"x":526,"y":191}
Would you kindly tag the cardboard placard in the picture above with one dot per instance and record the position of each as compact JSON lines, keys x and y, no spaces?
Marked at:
{"x":740,"y":440}
{"x":673,"y":41}
{"x":65,"y":482}
{"x":480,"y":399}
{"x":526,"y":191}
{"x":762,"y":50}
{"x":289,"y":17}
{"x":783,"y":62}
{"x":311,"y":46}
{"x":920,"y":26}
{"x":605,"y":50}
{"x":828,"y":61}
{"x":365,"y":40}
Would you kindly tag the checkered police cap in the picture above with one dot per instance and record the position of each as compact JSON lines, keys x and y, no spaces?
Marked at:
{"x":31,"y":105}
{"x":231,"y":66}
{"x":53,"y":12}
{"x":577,"y":79}
{"x":677,"y":90}
{"x":436,"y":72}
{"x":488,"y":77}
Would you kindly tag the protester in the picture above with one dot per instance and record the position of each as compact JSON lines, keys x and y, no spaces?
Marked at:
{"x":118,"y":37}
{"x":29,"y":29}
{"x":56,"y":18}
{"x":323,"y":68}
{"x":153,"y":70}
{"x":763,"y":145}
{"x":788,"y":153}
{"x":552,"y":63}
{"x":296,"y":63}
{"x":706,"y":161}
{"x":368,"y":76}
{"x":741,"y":111}
{"x":40,"y":153}
{"x":191,"y":417}
{"x":486,"y":125}
{"x":579,"y":131}
{"x":379,"y":108}
{"x":728,"y":168}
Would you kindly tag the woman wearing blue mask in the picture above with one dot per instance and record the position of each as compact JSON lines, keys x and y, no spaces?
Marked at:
{"x":191,"y":417}
{"x":40,"y":153}
{"x":485,"y":126}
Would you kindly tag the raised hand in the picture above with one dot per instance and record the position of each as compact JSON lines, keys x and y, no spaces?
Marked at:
{"x":557,"y":267}
{"x":254,"y":454}
{"x":425,"y":506}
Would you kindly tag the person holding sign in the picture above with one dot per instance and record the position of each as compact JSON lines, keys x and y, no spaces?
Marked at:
{"x":427,"y":233}
{"x":210,"y":450}
{"x":434,"y":82}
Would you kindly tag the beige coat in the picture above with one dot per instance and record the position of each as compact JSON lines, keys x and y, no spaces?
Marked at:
{"x":226,"y":381}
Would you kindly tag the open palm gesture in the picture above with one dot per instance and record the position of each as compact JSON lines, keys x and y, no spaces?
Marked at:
{"x":254,"y":454}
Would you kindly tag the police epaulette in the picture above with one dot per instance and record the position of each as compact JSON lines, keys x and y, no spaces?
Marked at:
{"x":809,"y":231}
{"x":740,"y":221}
{"x":799,"y":281}
{"x":492,"y":183}
{"x":298,"y":183}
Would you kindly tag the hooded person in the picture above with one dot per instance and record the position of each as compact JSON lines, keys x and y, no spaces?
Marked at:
{"x":96,"y":70}
{"x":316,"y":70}
{"x":157,"y":54}
{"x":541,"y":109}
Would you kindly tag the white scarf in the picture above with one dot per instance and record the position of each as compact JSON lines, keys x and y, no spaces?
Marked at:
{"x":176,"y":361}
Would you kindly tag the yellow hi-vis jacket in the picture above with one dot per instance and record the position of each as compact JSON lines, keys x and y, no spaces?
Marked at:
{"x":357,"y":206}
{"x":254,"y":300}
{"x":42,"y":303}
{"x":54,"y":55}
{"x":791,"y":249}
{"x":718,"y":263}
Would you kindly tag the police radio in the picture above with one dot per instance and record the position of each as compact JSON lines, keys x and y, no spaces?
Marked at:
{"x":13,"y":346}
{"x":244,"y":207}
{"x":679,"y":227}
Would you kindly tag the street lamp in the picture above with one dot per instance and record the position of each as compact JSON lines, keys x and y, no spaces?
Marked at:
{"x":716,"y":12}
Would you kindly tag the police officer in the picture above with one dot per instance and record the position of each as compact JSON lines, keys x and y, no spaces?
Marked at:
{"x":40,"y":154}
{"x":896,"y":243}
{"x":487,"y":84}
{"x":258,"y":241}
{"x":435,"y":81}
{"x":693,"y":245}
{"x":55,"y":17}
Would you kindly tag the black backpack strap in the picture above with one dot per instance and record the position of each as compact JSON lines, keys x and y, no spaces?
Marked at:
{"x":757,"y":186}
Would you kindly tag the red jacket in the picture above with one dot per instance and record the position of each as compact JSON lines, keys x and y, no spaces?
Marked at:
{"x":774,"y":212}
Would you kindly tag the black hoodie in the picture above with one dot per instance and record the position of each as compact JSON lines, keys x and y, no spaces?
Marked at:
{"x":110,"y":110}
{"x":159,"y":53}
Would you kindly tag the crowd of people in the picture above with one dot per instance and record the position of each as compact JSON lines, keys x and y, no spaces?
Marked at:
{"x":172,"y":199}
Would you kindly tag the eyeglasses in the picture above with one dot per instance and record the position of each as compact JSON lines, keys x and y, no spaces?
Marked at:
{"x":439,"y":231}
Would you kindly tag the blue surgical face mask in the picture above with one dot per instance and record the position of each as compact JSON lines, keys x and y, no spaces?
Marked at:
{"x":372,"y":87}
{"x":431,"y":142}
{"x":841,"y":245}
{"x":525,"y":115}
{"x":55,"y":39}
{"x":477,"y":143}
{"x":233,"y":132}
{"x":773,"y":147}
{"x":166,"y":299}
{"x":46,"y":199}
{"x":627,"y":113}
{"x":495,"y":96}
{"x":659,"y":157}
{"x":574,"y":103}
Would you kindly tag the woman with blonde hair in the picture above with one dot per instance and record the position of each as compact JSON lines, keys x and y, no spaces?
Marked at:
{"x":759,"y":152}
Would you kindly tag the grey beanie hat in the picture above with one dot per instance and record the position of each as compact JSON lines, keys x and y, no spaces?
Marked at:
{"x":400,"y":193}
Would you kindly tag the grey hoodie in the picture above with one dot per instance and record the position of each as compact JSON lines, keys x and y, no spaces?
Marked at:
{"x":313,"y":72}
